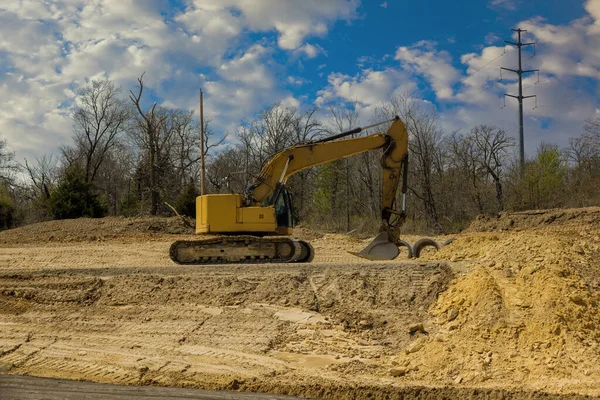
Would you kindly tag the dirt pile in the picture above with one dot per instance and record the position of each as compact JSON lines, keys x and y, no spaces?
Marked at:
{"x":535,"y":218}
{"x":95,"y":229}
{"x":526,"y":308}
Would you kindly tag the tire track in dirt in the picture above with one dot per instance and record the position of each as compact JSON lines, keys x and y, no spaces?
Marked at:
{"x":207,"y":327}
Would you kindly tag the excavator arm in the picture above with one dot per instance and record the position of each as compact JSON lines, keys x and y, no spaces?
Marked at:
{"x":266,"y":188}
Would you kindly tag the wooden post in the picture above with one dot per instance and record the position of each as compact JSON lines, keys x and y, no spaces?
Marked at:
{"x":203,"y":166}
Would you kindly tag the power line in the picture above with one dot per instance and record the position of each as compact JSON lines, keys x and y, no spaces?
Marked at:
{"x":482,"y":68}
{"x":520,"y":97}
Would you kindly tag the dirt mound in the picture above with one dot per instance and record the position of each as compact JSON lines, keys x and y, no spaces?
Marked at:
{"x":525,"y":310}
{"x":536,"y":218}
{"x":95,"y":229}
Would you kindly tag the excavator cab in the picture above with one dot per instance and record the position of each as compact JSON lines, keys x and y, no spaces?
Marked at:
{"x":284,"y":211}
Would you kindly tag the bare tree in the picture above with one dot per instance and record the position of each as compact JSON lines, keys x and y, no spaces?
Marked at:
{"x":114,"y":178}
{"x":305,"y":128}
{"x":276,"y":126}
{"x":187,"y":149}
{"x":226,"y":172}
{"x":465,"y":156}
{"x":152,"y":137}
{"x":43,"y":174}
{"x":592,"y":127}
{"x":482,"y":154}
{"x":99,"y":117}
{"x":274,"y":129}
{"x":344,"y":120}
{"x":579,"y":151}
{"x":492,"y":145}
{"x":583,"y":155}
{"x":8,"y":166}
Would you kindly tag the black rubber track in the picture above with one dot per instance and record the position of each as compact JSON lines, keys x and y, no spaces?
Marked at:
{"x":173,"y":254}
{"x":447,"y":242}
{"x":421,"y":244}
{"x":404,"y":243}
{"x":307,"y":253}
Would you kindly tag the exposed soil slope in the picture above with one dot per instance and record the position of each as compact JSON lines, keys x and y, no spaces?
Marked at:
{"x":509,"y":310}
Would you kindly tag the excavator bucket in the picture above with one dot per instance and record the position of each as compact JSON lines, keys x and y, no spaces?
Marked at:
{"x":380,"y":248}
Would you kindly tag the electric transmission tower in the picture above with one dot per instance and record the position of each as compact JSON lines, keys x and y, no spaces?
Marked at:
{"x":520,"y":97}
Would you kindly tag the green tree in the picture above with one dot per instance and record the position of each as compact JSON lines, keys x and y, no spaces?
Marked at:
{"x":186,"y":201}
{"x":551,"y":172}
{"x":7,"y":209}
{"x":543,"y":183}
{"x":74,"y":197}
{"x":326,"y":189}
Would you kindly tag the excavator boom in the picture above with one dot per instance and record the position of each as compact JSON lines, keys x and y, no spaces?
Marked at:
{"x":286,"y":163}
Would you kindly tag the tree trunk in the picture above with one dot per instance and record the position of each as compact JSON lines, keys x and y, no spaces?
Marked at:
{"x":154,"y":194}
{"x":499,"y":195}
{"x":347,"y":196}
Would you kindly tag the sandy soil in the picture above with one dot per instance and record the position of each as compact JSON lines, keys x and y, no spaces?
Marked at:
{"x":509,"y":310}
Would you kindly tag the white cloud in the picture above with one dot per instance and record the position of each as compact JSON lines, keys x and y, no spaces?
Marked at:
{"x":49,"y":49}
{"x":297,"y":81}
{"x":506,"y":4}
{"x":436,"y":66}
{"x":292,"y":20}
{"x":482,"y":83}
{"x":384,"y":4}
{"x":290,"y":101}
{"x":249,"y":69}
{"x":564,"y":101}
{"x":309,"y":50}
{"x":366,"y":90}
{"x":569,"y":47}
{"x":491,"y":38}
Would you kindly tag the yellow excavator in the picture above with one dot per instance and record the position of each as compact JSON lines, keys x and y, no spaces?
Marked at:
{"x":255,"y":227}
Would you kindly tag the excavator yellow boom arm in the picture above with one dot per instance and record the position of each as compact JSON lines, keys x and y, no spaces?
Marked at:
{"x":286,"y":163}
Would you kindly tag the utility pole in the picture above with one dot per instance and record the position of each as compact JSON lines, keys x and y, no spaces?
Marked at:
{"x":520,"y":97}
{"x":203,"y":166}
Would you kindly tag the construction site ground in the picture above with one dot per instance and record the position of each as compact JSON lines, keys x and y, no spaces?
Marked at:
{"x":507,"y":311}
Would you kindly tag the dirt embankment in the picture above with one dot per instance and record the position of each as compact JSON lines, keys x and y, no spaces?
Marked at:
{"x":527,"y":309}
{"x":509,"y":310}
{"x":96,"y":230}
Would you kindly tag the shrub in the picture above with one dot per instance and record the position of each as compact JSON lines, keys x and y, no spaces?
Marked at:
{"x":7,"y":209}
{"x":186,"y":201}
{"x":74,"y":197}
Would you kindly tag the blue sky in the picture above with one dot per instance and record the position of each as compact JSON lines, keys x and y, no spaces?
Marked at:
{"x":248,"y":54}
{"x":378,"y":31}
